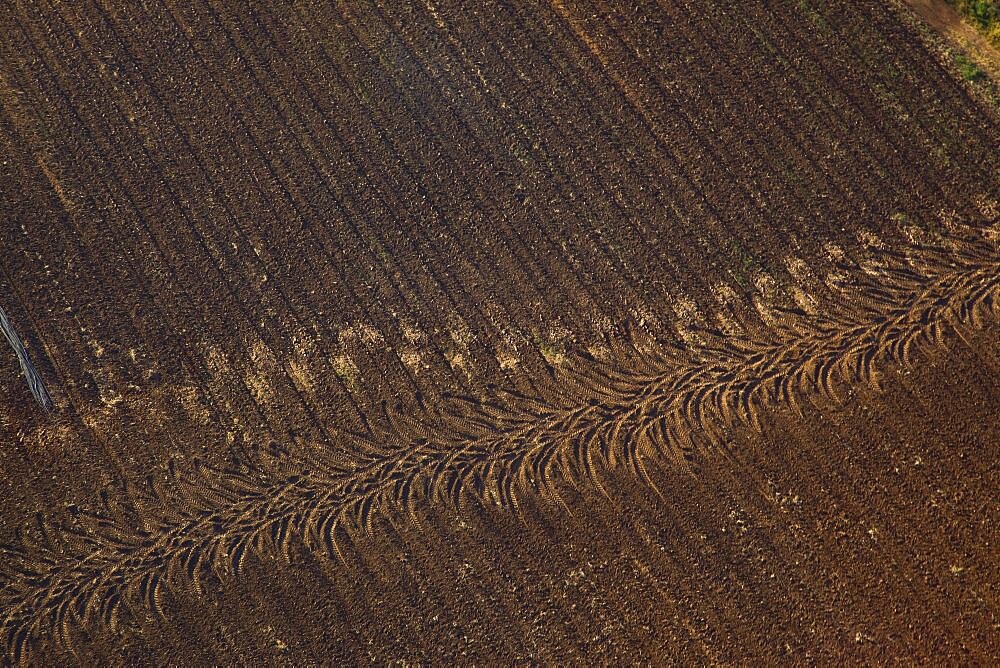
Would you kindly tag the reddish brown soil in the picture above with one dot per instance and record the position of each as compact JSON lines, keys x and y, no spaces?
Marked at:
{"x":570,"y":332}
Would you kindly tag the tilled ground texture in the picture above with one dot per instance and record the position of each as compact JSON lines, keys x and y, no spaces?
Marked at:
{"x":568,"y":331}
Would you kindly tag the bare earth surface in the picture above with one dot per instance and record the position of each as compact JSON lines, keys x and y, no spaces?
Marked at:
{"x":569,"y":332}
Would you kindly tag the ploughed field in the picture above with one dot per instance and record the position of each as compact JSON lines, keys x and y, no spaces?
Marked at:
{"x":559,"y":331}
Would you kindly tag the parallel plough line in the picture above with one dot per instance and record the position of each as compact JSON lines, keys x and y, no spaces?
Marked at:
{"x":661,"y":403}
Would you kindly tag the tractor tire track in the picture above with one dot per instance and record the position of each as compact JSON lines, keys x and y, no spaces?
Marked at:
{"x":650,"y":404}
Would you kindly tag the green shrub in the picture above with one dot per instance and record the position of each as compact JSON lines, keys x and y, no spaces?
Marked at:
{"x":970,"y":71}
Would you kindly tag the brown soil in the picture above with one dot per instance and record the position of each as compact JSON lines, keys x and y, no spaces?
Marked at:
{"x":571,"y":332}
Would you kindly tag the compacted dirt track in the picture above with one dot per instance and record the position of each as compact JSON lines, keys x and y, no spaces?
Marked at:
{"x":945,"y":19}
{"x":555,"y":331}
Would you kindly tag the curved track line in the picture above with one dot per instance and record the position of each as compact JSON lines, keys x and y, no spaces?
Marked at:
{"x":649,"y":402}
